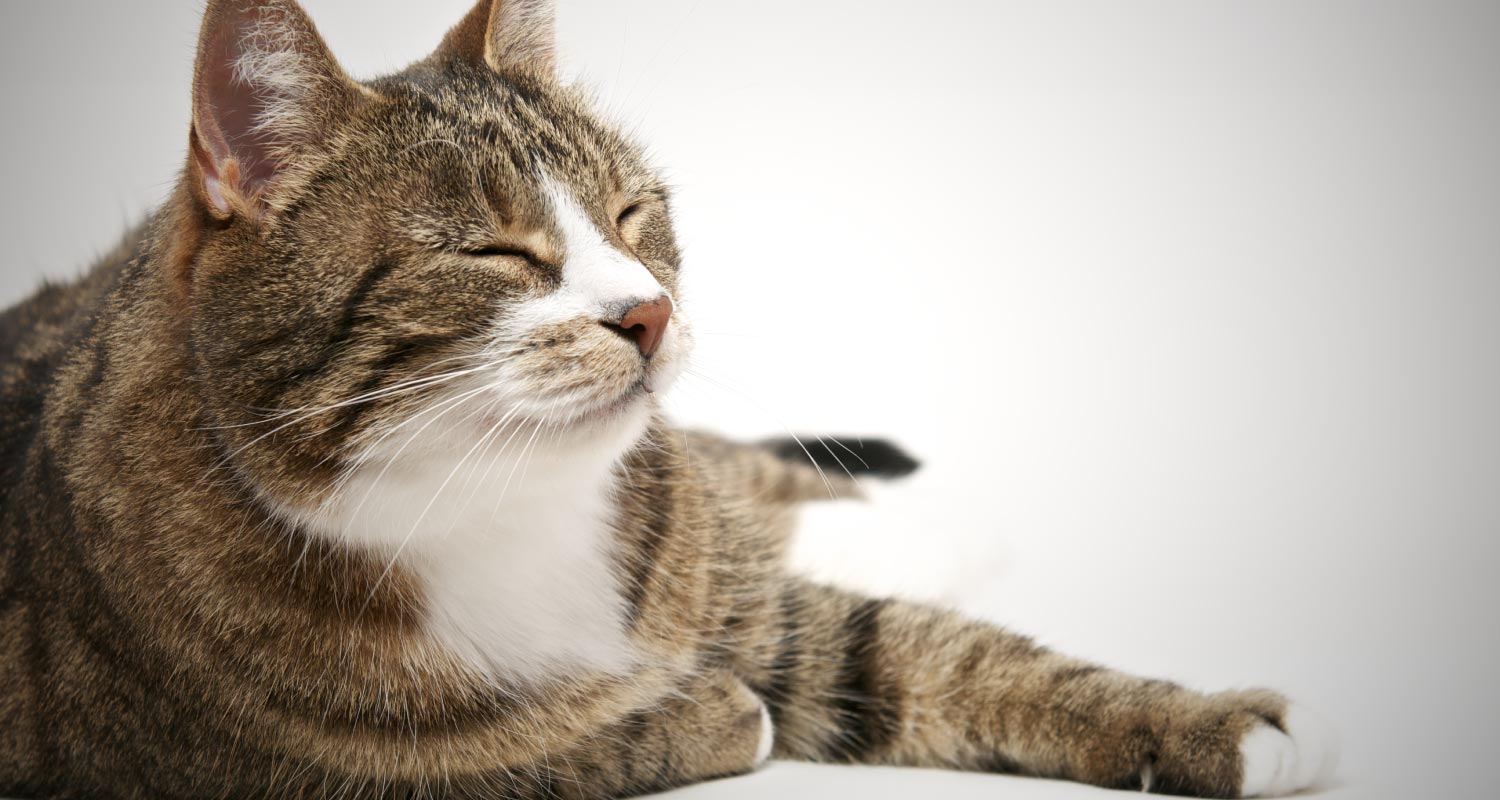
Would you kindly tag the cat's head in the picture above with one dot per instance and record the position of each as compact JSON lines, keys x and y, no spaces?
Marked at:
{"x":458,"y":255}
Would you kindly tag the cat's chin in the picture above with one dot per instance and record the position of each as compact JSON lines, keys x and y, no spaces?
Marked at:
{"x":615,"y":411}
{"x":626,"y":410}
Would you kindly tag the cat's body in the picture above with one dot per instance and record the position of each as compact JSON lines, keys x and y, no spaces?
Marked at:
{"x":128,"y":554}
{"x":343,"y":477}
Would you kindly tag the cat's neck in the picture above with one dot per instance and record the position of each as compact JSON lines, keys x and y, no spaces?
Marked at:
{"x":511,"y":538}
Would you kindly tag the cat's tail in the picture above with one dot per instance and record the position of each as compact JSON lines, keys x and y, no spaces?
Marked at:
{"x":853,"y":456}
{"x":798,"y":469}
{"x":832,"y":467}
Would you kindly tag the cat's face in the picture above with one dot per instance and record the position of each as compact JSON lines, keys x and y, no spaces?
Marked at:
{"x":450,"y":259}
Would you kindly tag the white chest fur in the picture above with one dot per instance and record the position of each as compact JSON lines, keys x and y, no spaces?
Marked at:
{"x":515,"y":557}
{"x":533,"y":597}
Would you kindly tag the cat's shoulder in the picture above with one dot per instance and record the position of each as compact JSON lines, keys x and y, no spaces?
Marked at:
{"x":40,"y":327}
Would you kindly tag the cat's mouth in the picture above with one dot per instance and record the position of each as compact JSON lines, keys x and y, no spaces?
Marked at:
{"x":610,"y":406}
{"x":609,"y":388}
{"x":589,"y":413}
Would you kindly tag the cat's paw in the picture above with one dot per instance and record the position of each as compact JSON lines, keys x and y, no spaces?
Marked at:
{"x":758,"y":719}
{"x":1298,"y":754}
{"x":717,"y":727}
{"x":1251,"y":743}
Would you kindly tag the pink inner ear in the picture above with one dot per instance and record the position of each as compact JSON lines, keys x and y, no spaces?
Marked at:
{"x":227,"y":116}
{"x":208,"y":165}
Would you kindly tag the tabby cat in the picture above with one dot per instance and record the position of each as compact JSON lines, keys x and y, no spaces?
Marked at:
{"x":344,"y":477}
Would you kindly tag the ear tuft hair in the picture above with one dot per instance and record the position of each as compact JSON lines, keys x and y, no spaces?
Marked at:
{"x":273,"y":63}
{"x":264,"y":89}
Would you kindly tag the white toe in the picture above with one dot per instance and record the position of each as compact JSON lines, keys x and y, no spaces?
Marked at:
{"x":1266,"y":755}
{"x":1317,"y":747}
{"x":1277,"y":763}
{"x":767,"y":737}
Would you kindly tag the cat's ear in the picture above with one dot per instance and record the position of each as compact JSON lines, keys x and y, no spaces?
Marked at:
{"x":265,"y":88}
{"x":510,"y":36}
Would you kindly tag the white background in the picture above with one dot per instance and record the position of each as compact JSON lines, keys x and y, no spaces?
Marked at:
{"x":1189,"y":307}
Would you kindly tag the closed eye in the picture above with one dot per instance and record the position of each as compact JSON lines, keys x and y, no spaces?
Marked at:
{"x":629,"y":212}
{"x":500,"y":251}
{"x":496,"y":251}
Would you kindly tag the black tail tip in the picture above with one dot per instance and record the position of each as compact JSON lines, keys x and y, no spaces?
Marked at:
{"x":857,"y":456}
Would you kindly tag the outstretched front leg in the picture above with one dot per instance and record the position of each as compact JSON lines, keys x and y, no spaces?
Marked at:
{"x":851,"y":679}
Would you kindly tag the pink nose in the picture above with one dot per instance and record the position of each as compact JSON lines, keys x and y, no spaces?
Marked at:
{"x":646,"y":323}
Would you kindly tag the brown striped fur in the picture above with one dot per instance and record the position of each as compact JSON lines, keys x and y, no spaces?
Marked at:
{"x":168,"y":634}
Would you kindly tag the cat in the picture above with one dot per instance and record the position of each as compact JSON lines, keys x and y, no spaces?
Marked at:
{"x":344,"y":476}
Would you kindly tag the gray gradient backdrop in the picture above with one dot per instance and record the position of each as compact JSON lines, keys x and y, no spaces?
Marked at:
{"x":1191,"y":308}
